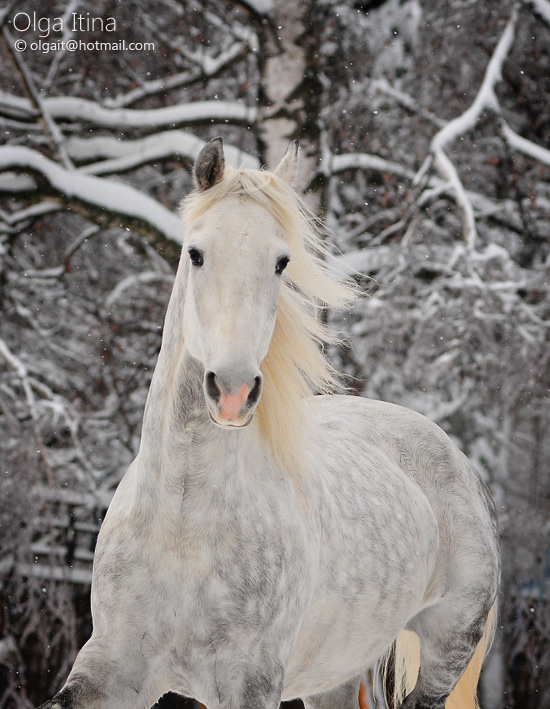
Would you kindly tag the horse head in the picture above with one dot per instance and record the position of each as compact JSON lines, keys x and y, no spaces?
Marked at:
{"x":237,"y":252}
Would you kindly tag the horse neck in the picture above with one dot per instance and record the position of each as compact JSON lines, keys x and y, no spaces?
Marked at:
{"x":175,"y":423}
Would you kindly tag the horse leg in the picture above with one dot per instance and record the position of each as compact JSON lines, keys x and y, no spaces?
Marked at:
{"x":98,"y":680}
{"x":345,"y":696}
{"x":448,"y":641}
{"x":81,"y":692}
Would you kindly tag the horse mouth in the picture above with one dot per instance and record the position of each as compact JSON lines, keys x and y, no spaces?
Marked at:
{"x":230,"y":423}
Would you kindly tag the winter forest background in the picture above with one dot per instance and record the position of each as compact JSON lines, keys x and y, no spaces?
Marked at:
{"x":425,"y":127}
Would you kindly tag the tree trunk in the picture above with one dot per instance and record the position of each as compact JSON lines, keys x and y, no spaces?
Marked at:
{"x":289,"y":91}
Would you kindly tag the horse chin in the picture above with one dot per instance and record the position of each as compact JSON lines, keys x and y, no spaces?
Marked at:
{"x":231,"y":424}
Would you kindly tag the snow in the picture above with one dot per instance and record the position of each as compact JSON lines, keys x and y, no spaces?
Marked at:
{"x":208,"y":66}
{"x":543,"y":8}
{"x":537,"y":152}
{"x":56,"y":573}
{"x":105,"y":194}
{"x":135,"y":281}
{"x":124,"y":155}
{"x":365,"y":161}
{"x":261,"y":7}
{"x":485,"y":99}
{"x":16,"y":106}
{"x":361,"y":261}
{"x":70,"y":108}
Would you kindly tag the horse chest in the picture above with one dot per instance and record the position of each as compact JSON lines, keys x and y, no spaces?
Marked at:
{"x":225,"y":572}
{"x":244,"y":588}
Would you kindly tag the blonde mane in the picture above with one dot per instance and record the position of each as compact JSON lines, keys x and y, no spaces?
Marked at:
{"x":295,"y":366}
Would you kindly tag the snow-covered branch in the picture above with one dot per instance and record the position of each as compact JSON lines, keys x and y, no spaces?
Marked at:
{"x":125,"y":155}
{"x":527,"y":147}
{"x":333,"y":164}
{"x":208,"y":67}
{"x":17,"y":221}
{"x":383,"y":86}
{"x":17,"y":107}
{"x":136,"y":281}
{"x":541,"y":8}
{"x":71,"y":108}
{"x":105,"y":195}
{"x":485,"y":100}
{"x":51,"y":128}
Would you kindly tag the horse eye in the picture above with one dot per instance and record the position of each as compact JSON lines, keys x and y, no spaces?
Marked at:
{"x":282,"y":263}
{"x":197,"y":259}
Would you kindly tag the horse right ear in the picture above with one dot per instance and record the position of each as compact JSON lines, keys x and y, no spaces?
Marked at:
{"x":210,"y":165}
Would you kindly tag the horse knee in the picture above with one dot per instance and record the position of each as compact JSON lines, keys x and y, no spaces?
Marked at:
{"x":105,"y":690}
{"x":79,"y":693}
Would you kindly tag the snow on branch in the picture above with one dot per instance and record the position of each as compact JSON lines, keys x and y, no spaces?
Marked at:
{"x":135,"y":280}
{"x":17,"y":107}
{"x":73,"y":108}
{"x":13,"y":182}
{"x":486,"y":97}
{"x":383,"y":86}
{"x":334,"y":164}
{"x":125,"y":155}
{"x":527,"y":147}
{"x":56,"y":573}
{"x":51,"y":128}
{"x":17,"y":221}
{"x":363,"y":161}
{"x":58,"y":409}
{"x":542,"y":8}
{"x":260,"y":7}
{"x":70,"y":108}
{"x":113,"y":197}
{"x":208,"y":67}
{"x":485,"y":100}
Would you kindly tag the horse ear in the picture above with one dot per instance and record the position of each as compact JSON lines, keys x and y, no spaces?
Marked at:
{"x":287,"y":169}
{"x":210,"y":165}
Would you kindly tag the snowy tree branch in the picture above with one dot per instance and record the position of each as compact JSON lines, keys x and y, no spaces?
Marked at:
{"x":333,"y":164}
{"x":71,"y":108}
{"x":125,"y":155}
{"x":107,"y":196}
{"x":51,"y":128}
{"x":484,"y":100}
{"x":541,"y":8}
{"x":209,"y":67}
{"x":527,"y":147}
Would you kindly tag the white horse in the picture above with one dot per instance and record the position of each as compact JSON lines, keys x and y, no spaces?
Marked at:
{"x":248,"y":559}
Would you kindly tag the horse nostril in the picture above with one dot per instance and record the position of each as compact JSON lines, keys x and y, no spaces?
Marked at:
{"x":255,"y":392}
{"x":212,"y":388}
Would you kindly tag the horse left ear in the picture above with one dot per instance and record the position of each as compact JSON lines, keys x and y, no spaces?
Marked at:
{"x":210,"y":165}
{"x":287,"y":169}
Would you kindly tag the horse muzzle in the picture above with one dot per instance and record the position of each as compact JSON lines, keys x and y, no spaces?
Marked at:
{"x":230,"y":402}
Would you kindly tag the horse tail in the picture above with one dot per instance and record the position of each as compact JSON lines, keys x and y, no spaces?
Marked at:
{"x":406,"y":661}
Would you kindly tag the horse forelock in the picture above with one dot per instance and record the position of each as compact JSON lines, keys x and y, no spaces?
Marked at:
{"x":295,"y":366}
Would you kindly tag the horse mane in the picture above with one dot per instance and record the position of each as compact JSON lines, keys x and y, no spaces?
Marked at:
{"x":295,"y":366}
